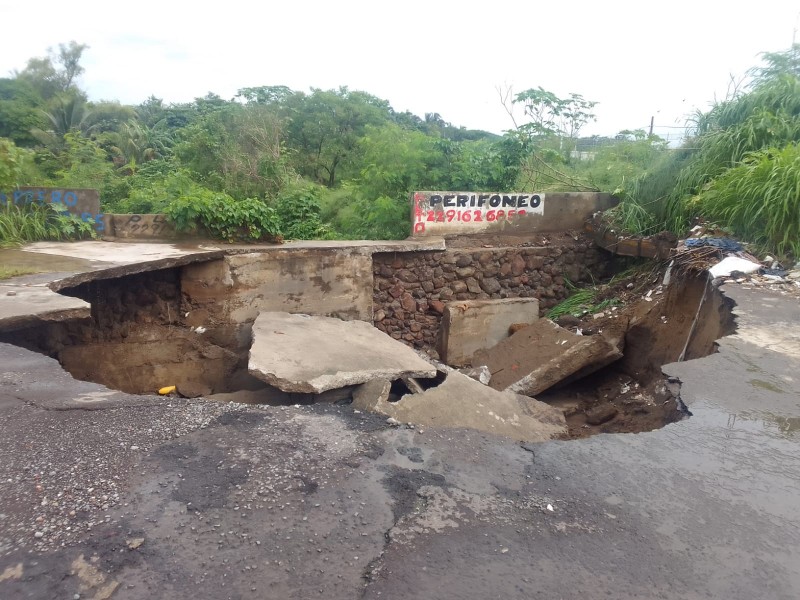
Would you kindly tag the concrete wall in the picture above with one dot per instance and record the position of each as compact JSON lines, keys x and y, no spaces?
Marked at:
{"x":225,"y":296}
{"x":472,"y":325}
{"x":141,"y":227}
{"x":84,"y":203}
{"x":452,"y":213}
{"x":411,"y":288}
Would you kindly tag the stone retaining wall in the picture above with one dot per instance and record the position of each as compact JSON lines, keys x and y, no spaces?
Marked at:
{"x":410,"y":288}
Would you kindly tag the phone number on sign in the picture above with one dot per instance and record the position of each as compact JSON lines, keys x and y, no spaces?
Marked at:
{"x":466,"y":216}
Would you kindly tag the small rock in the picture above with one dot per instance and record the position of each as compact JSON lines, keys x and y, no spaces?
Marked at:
{"x":38,"y":535}
{"x":134,"y":543}
{"x":11,"y":293}
{"x":393,"y":422}
{"x":437,"y":306}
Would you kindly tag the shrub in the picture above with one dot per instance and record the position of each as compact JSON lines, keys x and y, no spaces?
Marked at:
{"x":223,"y":217}
{"x":299,"y":212}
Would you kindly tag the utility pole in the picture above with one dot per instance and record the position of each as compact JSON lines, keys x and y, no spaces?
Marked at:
{"x":652,"y":119}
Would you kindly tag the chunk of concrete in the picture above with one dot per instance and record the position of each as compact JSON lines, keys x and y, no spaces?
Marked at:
{"x":474,"y":325}
{"x":463,"y":402}
{"x":311,"y":354}
{"x":540,"y":356}
{"x":372,"y":395}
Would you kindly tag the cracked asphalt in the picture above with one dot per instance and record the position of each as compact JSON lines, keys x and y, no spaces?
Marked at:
{"x":107,"y":495}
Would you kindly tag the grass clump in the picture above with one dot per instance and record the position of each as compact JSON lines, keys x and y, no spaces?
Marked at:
{"x":21,"y":224}
{"x":9,"y":272}
{"x":759,"y":200}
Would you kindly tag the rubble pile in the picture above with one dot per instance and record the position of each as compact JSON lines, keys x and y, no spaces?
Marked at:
{"x":351,"y":361}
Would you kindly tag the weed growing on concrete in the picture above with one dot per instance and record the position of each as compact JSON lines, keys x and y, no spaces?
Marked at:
{"x":20,"y":224}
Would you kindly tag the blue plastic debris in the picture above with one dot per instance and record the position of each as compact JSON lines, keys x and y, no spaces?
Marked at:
{"x":724,"y":244}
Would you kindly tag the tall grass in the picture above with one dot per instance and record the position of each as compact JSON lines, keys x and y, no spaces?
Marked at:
{"x":759,"y":199}
{"x":20,"y":224}
{"x":737,"y":138}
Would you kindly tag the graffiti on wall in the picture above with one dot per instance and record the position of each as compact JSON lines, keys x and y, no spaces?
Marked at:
{"x":463,"y":212}
{"x":144,"y":226}
{"x":83,"y":203}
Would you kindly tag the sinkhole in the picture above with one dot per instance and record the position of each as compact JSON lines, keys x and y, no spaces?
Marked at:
{"x":145,"y":333}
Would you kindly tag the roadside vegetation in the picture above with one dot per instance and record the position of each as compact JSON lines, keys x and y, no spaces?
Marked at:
{"x":275,"y":163}
{"x":9,"y":272}
{"x":740,"y":168}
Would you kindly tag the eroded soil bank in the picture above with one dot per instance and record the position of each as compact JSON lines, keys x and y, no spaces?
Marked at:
{"x":140,"y":338}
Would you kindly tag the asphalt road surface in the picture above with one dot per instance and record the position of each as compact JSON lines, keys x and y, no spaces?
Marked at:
{"x":107,"y":495}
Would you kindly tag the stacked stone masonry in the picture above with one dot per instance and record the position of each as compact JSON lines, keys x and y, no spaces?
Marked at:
{"x":410,"y":288}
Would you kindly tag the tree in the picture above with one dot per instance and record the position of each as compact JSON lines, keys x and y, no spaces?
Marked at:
{"x":105,"y":116}
{"x":265,"y":94}
{"x":553,"y":116}
{"x":57,"y":72}
{"x":20,"y":111}
{"x":324,"y":128}
{"x":238,"y":149}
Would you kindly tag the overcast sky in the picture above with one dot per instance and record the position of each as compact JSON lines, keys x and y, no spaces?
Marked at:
{"x":636,"y":59}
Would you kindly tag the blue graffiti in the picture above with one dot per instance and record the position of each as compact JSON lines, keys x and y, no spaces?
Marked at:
{"x":64,"y":200}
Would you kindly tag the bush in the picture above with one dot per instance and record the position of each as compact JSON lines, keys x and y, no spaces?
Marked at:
{"x":223,"y":217}
{"x":299,"y":212}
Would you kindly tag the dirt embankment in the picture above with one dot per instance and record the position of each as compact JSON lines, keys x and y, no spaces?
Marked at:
{"x":655,"y":325}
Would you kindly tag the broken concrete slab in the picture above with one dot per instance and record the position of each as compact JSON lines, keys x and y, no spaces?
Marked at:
{"x":473,"y":325}
{"x":463,"y":402}
{"x":25,"y":305}
{"x":312,"y":354}
{"x":371,"y":395}
{"x":540,"y":356}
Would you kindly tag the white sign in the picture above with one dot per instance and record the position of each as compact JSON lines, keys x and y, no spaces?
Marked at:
{"x":437,"y":213}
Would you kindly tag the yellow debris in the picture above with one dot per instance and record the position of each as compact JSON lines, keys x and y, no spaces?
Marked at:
{"x":166,"y":390}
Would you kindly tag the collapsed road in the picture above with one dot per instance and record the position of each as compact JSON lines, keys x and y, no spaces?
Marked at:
{"x":107,"y":494}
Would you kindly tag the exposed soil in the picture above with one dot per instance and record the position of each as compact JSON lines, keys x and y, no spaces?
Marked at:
{"x":137,"y":340}
{"x":655,"y":325}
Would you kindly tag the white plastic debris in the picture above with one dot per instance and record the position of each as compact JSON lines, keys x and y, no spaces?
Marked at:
{"x":730,"y":264}
{"x":550,"y":507}
{"x":668,"y":274}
